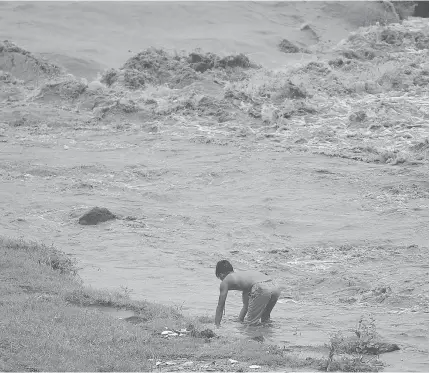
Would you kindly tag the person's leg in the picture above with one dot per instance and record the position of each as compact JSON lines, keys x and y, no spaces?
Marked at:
{"x":265,"y":316}
{"x":258,"y":301}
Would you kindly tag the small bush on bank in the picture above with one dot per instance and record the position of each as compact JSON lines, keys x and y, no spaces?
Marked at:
{"x":351,"y":354}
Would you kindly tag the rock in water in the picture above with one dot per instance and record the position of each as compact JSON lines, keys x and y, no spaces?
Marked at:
{"x":95,"y":216}
{"x":380,"y":348}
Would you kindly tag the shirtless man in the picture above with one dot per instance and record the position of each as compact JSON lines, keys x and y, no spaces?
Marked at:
{"x":259,"y":293}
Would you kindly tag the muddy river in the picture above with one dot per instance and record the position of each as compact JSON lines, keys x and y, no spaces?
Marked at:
{"x":343,"y":238}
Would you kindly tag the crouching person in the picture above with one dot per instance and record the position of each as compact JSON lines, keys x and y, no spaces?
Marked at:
{"x":259,"y":293}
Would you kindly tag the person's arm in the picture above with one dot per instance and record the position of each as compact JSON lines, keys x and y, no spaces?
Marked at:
{"x":223,"y":290}
{"x":245,"y":300}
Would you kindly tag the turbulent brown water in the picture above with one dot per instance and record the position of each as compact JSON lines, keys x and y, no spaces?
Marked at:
{"x":343,"y":238}
{"x":292,"y":215}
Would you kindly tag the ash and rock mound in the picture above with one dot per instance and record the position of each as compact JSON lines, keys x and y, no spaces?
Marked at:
{"x":366,"y":99}
{"x":153,"y":85}
{"x":158,"y":67}
{"x":25,"y":66}
{"x":21,"y":70}
{"x":371,"y":88}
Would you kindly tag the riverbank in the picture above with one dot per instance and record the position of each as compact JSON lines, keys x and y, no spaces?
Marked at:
{"x":49,"y":322}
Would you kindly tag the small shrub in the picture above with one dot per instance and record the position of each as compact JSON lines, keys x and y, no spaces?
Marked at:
{"x":351,"y":350}
{"x":351,"y":364}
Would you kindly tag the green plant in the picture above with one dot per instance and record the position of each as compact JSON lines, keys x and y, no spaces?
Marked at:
{"x":366,"y":333}
{"x":351,"y":352}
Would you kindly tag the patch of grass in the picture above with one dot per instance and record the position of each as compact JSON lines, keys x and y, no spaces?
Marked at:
{"x":47,"y":323}
{"x":42,"y":254}
{"x":205,"y":319}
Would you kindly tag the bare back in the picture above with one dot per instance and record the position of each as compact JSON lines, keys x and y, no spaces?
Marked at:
{"x":244,"y":280}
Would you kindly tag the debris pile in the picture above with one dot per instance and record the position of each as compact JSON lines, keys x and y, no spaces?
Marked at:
{"x":158,"y":67}
{"x":24,"y":65}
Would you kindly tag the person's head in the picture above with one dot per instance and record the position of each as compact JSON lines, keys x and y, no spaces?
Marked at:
{"x":223,"y":268}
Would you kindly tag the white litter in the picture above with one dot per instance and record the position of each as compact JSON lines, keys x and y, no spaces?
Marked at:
{"x":187,"y":363}
{"x":254,"y":367}
{"x":232,"y":361}
{"x":169,"y":333}
{"x":170,"y":363}
{"x":158,"y":363}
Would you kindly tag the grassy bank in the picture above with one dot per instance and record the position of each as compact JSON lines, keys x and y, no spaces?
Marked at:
{"x":46,"y":325}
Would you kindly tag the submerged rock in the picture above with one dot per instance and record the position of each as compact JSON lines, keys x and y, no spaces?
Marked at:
{"x":96,"y":215}
{"x":380,"y":348}
{"x":374,"y":346}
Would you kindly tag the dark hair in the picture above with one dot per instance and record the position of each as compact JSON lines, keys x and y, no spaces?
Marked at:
{"x":223,"y":266}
